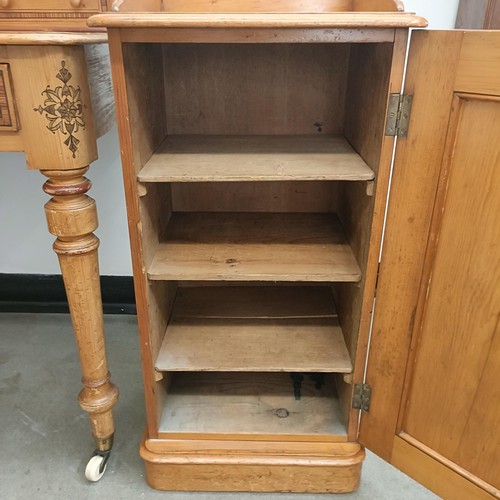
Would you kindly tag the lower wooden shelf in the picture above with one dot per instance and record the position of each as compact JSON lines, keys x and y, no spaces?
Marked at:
{"x":249,"y":403}
{"x":257,"y":329}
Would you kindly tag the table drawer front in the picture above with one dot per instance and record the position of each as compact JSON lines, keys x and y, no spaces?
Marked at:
{"x":49,"y":5}
{"x":8,"y":117}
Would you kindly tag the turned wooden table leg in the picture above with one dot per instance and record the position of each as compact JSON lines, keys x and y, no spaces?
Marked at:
{"x":72,"y":218}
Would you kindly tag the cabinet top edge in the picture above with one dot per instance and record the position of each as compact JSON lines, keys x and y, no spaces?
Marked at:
{"x":350,"y":20}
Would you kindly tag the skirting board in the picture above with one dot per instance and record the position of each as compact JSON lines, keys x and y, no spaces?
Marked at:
{"x":45,"y":293}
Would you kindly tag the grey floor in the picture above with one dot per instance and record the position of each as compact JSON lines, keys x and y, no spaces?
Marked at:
{"x":44,"y":436}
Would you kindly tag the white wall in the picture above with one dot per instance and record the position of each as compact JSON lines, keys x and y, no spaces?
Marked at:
{"x":25,"y":245}
{"x":441,"y":14}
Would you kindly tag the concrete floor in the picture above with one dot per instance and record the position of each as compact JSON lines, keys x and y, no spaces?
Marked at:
{"x":45,"y":439}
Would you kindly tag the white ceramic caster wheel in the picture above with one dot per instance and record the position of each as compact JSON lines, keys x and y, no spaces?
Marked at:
{"x":93,"y":470}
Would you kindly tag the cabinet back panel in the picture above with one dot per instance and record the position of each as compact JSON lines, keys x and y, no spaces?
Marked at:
{"x":255,"y":89}
{"x":289,"y":196}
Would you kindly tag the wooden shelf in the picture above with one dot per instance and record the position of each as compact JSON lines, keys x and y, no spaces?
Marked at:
{"x":247,"y":403}
{"x":201,"y":158}
{"x":258,"y":329}
{"x":254,"y":247}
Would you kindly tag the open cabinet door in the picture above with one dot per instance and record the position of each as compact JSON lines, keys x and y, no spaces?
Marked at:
{"x":434,"y":361}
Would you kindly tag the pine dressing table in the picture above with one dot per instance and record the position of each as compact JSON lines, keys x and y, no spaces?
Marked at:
{"x":48,"y":112}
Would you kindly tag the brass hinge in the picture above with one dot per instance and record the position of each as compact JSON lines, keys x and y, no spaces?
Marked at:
{"x":398,"y":115}
{"x":362,"y":397}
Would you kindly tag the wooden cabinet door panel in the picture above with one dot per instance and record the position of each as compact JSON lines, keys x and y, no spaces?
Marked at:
{"x":434,"y":364}
{"x":453,"y":403}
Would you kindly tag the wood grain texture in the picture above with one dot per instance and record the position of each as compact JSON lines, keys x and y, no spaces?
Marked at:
{"x":258,"y":35}
{"x":479,"y":68}
{"x":260,"y":247}
{"x":263,"y":329}
{"x":50,"y":5}
{"x":458,"y":333}
{"x":72,"y":218}
{"x":254,"y":158}
{"x":254,"y":447}
{"x":368,"y":87}
{"x":11,"y":141}
{"x":131,"y":163}
{"x":377,"y":6}
{"x":134,"y":5}
{"x":276,"y":196}
{"x":148,"y":214}
{"x":433,"y":58}
{"x":305,"y":6}
{"x":254,"y":6}
{"x":55,"y":136}
{"x":144,"y":83}
{"x":8,"y":112}
{"x":264,"y":302}
{"x":380,"y":69}
{"x":254,"y":89}
{"x":28,"y":38}
{"x":254,"y":345}
{"x":247,"y":403}
{"x":252,"y":20}
{"x":340,"y":472}
{"x":431,"y":472}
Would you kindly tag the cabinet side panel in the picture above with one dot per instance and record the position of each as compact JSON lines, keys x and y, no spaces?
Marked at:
{"x":138,"y":82}
{"x":369,"y":73}
{"x":374,"y":71}
{"x":430,"y":78}
{"x":239,"y":89}
{"x":146,"y":99}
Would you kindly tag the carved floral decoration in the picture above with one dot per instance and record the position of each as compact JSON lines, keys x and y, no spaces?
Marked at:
{"x":63,"y":109}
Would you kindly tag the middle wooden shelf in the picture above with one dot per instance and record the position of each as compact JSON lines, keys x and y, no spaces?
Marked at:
{"x":254,"y":328}
{"x":254,"y":247}
{"x":223,"y":158}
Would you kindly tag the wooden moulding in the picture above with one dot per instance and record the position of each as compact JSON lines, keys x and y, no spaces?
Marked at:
{"x":260,"y":20}
{"x":259,"y":470}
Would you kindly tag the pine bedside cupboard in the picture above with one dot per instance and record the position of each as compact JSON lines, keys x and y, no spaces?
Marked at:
{"x":301,"y":295}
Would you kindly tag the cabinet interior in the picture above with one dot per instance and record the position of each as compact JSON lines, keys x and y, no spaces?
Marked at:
{"x":257,"y":167}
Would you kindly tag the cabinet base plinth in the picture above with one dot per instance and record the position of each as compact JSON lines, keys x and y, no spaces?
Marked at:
{"x":338,"y":471}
